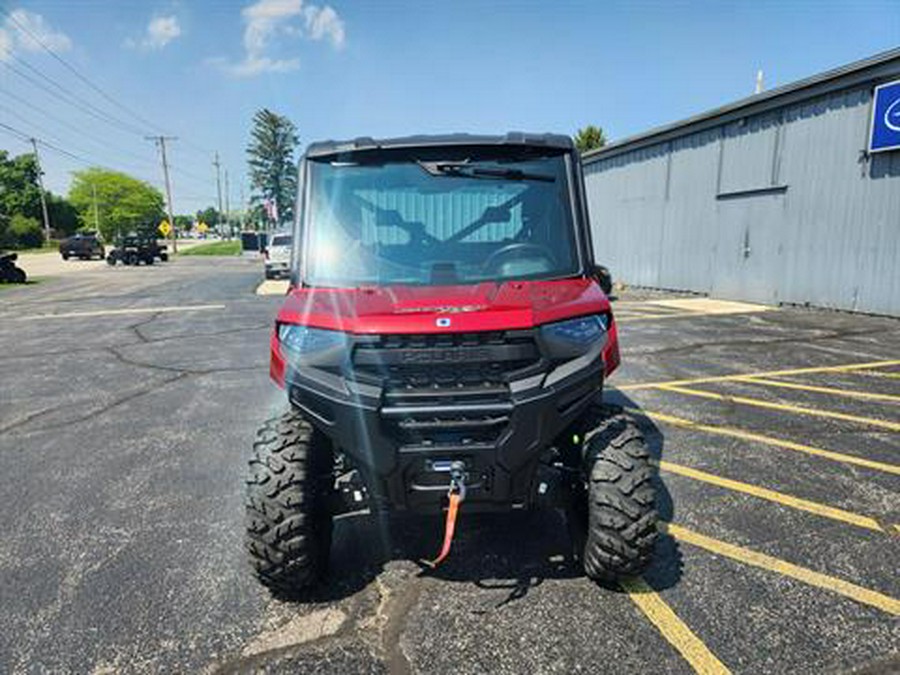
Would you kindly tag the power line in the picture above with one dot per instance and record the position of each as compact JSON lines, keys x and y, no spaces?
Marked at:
{"x":68,"y":96}
{"x":74,"y":70}
{"x":86,"y":107}
{"x":66,"y":124}
{"x":54,"y":136}
{"x":111,"y":99}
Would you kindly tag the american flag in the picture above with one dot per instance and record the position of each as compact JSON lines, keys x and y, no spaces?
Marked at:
{"x":271,"y":209}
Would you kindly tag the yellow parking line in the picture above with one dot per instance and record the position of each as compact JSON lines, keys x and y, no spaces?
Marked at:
{"x":757,"y":403}
{"x":823,"y":390}
{"x":767,"y":562}
{"x":673,"y":629}
{"x":766,"y":373}
{"x":773,"y":496}
{"x":872,"y":373}
{"x":771,"y":441}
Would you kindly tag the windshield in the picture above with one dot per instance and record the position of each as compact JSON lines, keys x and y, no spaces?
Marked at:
{"x":281,"y":240}
{"x":434,"y":221}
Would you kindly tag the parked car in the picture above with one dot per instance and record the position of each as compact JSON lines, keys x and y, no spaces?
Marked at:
{"x":84,"y":245}
{"x":253,"y":243}
{"x":278,"y":255}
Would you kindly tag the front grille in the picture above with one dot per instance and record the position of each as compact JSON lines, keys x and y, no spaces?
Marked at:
{"x":446,"y":390}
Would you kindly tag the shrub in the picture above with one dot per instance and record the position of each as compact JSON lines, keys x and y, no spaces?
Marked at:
{"x":25,"y":232}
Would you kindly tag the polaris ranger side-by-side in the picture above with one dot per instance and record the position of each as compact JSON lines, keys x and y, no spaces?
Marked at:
{"x":443,"y":346}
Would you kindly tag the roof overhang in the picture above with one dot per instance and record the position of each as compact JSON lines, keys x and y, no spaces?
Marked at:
{"x":871,"y":71}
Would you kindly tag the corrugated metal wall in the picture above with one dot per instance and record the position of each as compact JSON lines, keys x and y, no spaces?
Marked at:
{"x":778,"y":207}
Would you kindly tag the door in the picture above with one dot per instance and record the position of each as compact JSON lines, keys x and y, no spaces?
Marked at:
{"x":749,"y":247}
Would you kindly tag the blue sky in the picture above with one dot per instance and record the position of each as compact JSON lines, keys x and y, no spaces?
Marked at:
{"x":198,"y":70}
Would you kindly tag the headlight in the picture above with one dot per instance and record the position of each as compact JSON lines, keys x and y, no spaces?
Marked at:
{"x":574,"y":337}
{"x":312,"y":346}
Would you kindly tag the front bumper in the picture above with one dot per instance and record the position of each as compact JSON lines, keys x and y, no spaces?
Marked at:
{"x":400,"y":439}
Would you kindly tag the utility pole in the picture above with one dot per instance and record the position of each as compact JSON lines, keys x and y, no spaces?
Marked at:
{"x":40,"y":177}
{"x":228,"y":205}
{"x":219,"y":190}
{"x":241,"y":212}
{"x":161,"y":142}
{"x":96,"y":209}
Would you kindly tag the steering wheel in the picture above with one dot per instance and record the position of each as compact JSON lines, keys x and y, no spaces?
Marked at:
{"x":515,"y":250}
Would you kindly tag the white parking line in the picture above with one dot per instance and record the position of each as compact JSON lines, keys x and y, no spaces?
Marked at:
{"x":273,"y":287}
{"x":111,"y":312}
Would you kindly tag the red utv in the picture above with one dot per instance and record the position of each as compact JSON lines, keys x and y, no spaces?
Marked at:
{"x":444,"y":345}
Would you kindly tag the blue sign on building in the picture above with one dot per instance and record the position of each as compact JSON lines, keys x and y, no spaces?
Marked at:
{"x":886,"y":118}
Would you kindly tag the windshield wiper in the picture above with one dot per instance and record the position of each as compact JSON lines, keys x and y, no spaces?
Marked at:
{"x":467,"y":170}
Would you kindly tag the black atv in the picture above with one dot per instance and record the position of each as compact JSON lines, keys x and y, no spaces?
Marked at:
{"x":134,"y":250}
{"x":9,"y":273}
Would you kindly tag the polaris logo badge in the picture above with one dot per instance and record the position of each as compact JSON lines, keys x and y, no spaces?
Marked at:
{"x":442,"y":322}
{"x":451,"y":355}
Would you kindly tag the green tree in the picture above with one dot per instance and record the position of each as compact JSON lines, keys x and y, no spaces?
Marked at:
{"x":25,"y":232}
{"x":123,"y":203}
{"x":183,"y":223}
{"x":63,"y":216}
{"x":270,"y":154}
{"x":589,"y":138}
{"x":19,"y":191}
{"x":210,"y":216}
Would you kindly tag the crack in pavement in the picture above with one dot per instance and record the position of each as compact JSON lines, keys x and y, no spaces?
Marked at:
{"x":25,"y":420}
{"x":136,"y":327}
{"x":146,"y":340}
{"x":391,"y":615}
{"x":332,"y":628}
{"x":182,"y":371}
{"x":95,"y":413}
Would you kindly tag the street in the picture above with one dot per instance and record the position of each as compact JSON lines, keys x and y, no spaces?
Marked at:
{"x":129,"y":399}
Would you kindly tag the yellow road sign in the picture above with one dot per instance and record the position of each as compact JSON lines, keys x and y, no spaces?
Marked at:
{"x":165,"y":228}
{"x":202,"y":227}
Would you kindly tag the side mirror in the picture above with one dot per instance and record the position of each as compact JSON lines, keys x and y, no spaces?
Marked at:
{"x":604,"y":278}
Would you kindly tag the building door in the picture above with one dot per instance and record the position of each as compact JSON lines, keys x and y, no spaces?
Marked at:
{"x":749,"y":247}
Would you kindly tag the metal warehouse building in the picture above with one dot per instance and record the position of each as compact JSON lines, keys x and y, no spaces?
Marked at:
{"x":777,"y":198}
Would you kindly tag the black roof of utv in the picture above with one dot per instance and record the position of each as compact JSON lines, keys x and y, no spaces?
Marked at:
{"x":325,"y":148}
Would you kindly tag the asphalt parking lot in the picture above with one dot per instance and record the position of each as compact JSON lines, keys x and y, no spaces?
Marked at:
{"x":129,"y":398}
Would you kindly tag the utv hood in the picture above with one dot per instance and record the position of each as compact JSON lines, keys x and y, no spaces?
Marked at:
{"x":443,"y":309}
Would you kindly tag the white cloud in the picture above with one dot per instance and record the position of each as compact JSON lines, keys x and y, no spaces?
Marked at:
{"x":255,"y":65}
{"x":324,"y":22}
{"x":266,"y":20}
{"x":26,"y":31}
{"x":160,"y":31}
{"x":6,"y":45}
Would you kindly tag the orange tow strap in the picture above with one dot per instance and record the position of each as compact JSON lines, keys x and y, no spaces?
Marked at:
{"x":455,"y":500}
